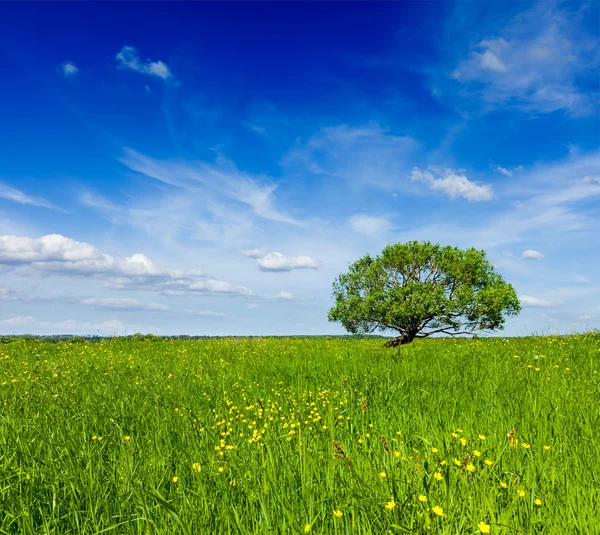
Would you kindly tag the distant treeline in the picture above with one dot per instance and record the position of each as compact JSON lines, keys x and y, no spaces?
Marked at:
{"x":6,"y":339}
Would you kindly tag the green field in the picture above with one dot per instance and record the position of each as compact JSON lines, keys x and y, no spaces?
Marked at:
{"x":300,"y":435}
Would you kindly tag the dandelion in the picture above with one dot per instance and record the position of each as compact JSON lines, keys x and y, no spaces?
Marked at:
{"x":175,"y":479}
{"x":438,"y":476}
{"x":503,"y":484}
{"x":196,"y":467}
{"x":390,"y":505}
{"x":483,"y":527}
{"x":422,"y":498}
{"x":337,"y":513}
{"x":438,"y":510}
{"x":521,"y":493}
{"x":537,"y":501}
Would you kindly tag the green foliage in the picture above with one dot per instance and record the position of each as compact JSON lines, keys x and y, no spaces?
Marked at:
{"x":235,"y":436}
{"x":420,"y":289}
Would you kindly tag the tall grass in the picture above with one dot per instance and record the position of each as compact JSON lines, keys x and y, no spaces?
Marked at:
{"x":275,"y":435}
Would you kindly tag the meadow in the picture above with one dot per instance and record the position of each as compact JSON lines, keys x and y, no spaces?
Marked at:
{"x":329,"y":436}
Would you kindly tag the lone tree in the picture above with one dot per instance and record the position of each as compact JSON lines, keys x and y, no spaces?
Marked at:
{"x":420,"y":289}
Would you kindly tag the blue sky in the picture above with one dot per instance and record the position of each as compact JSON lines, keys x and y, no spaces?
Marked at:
{"x":204,"y":168}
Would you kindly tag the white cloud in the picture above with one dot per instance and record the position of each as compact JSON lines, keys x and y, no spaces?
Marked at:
{"x":56,"y":254}
{"x":504,"y":171}
{"x":254,"y":253}
{"x":453,"y":184}
{"x":530,"y":254}
{"x":536,"y":63}
{"x":69,"y":69}
{"x":221,"y":178}
{"x":128,"y":58}
{"x":15,"y":195}
{"x":206,"y":313}
{"x":29,"y":321}
{"x":529,"y":301}
{"x":286,"y":296}
{"x":369,"y":225}
{"x":279,"y":262}
{"x":122,"y":303}
{"x":366,"y":156}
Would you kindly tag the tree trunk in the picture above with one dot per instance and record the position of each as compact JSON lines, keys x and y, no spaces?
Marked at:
{"x":399,"y":340}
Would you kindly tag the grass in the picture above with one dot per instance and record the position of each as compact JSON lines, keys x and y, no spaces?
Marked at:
{"x":275,"y":435}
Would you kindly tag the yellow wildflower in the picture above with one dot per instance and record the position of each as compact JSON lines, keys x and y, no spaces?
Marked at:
{"x":521,"y":493}
{"x":422,"y":498}
{"x":307,"y":528}
{"x":463,"y":442}
{"x":546,"y":448}
{"x":382,"y":475}
{"x":503,"y":484}
{"x":438,"y":476}
{"x":434,"y":450}
{"x":483,"y":527}
{"x":470,"y":468}
{"x":438,"y":510}
{"x":337,"y":513}
{"x":537,"y":501}
{"x":457,"y":462}
{"x":481,"y":437}
{"x":175,"y":479}
{"x":390,"y":505}
{"x":477,"y":453}
{"x":454,"y":435}
{"x":488,"y":462}
{"x":196,"y":467}
{"x":126,"y":438}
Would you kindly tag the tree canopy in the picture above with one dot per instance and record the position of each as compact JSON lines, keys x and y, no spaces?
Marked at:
{"x":420,"y":289}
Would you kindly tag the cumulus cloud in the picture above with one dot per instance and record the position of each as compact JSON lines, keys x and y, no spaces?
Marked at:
{"x":504,"y":171}
{"x":254,"y":253}
{"x":534,"y":302}
{"x":68,"y":68}
{"x":128,"y":58}
{"x":122,"y":304}
{"x":15,"y":195}
{"x":29,"y":321}
{"x":453,"y":184}
{"x":57,"y":254}
{"x":278,"y":262}
{"x":369,"y":225}
{"x":531,"y":254}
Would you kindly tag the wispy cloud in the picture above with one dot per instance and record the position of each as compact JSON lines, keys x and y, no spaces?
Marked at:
{"x":535,"y":62}
{"x":529,"y":301}
{"x":369,"y":225}
{"x":365,"y":156}
{"x":128,"y":58}
{"x":454,"y":184}
{"x":122,"y":304}
{"x":221,"y":178}
{"x":68,"y":68}
{"x":15,"y":195}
